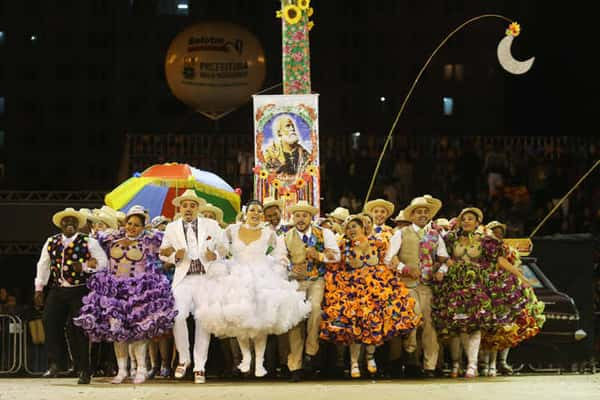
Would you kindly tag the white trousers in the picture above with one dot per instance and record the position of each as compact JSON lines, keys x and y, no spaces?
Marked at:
{"x":186,"y":301}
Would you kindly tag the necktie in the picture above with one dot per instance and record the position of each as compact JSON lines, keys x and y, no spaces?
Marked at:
{"x":421,"y":233}
{"x":305,"y":238}
{"x":192,"y":242}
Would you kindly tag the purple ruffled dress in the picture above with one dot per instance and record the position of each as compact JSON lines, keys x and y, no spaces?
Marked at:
{"x":132,"y":300}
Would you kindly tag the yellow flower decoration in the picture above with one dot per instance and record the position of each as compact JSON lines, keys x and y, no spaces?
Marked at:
{"x":310,"y":25}
{"x":303,"y":4}
{"x":514,"y":29}
{"x":278,"y":14}
{"x":310,"y":12}
{"x":276,"y":183}
{"x":263,"y":174}
{"x":292,"y":14}
{"x":311,"y":170}
{"x":300,"y":183}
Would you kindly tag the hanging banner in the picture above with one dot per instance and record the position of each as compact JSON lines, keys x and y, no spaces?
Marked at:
{"x":286,"y":148}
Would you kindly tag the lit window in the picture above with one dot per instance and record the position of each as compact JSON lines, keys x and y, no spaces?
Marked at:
{"x":448,"y":105}
{"x":448,"y":71}
{"x":459,"y":72}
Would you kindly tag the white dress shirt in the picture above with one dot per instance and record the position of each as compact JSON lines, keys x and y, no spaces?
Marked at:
{"x":43,"y":265}
{"x":396,"y":244}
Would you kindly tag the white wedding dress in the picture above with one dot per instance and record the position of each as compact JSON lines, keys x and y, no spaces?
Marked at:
{"x":249,"y":295}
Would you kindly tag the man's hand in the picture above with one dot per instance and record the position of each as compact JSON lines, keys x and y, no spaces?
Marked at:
{"x":299,"y":270}
{"x":179,"y":255}
{"x":329,"y":254}
{"x":168,"y":266}
{"x":439,"y":276}
{"x":167,"y":251}
{"x":38,"y":299}
{"x":210,"y":255}
{"x":77,"y":267}
{"x":92,"y":263}
{"x":312,"y":254}
{"x":413,"y":271}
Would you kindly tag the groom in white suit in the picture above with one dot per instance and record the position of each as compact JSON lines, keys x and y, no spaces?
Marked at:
{"x":190,"y":244}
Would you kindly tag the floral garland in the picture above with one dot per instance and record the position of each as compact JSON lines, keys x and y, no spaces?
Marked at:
{"x":296,"y":55}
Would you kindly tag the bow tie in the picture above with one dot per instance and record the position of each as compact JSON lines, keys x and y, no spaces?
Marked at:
{"x":378,"y":229}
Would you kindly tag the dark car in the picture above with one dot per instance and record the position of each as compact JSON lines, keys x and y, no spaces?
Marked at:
{"x":561,"y":333}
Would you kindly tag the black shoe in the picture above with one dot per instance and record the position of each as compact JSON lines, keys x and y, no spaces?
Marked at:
{"x":296,"y":376}
{"x":52,"y":372}
{"x":283,"y":372}
{"x":412,"y":371}
{"x":429,"y":374}
{"x":153,"y":372}
{"x":84,"y":378}
{"x":307,"y":364}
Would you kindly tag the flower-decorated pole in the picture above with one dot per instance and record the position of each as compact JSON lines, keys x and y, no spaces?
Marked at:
{"x":295,"y":59}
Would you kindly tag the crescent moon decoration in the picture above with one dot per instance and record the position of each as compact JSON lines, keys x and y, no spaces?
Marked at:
{"x":513,"y":30}
{"x":508,"y":62}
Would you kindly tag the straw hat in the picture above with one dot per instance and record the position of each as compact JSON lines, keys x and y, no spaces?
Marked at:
{"x":272,"y":202}
{"x":496,"y":224}
{"x":89,"y":215}
{"x":303,"y":205}
{"x":433,"y":205}
{"x":138,"y":210}
{"x":443,"y":222}
{"x":159,"y":220}
{"x":216,"y":210}
{"x":379,"y":203}
{"x":401,"y":217}
{"x":69,"y":212}
{"x":340,"y":213}
{"x":107,"y":219}
{"x":189,"y":194}
{"x":473,"y":210}
{"x":354,"y":217}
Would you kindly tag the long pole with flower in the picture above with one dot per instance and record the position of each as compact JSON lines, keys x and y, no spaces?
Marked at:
{"x":295,"y":49}
{"x":504,"y":57}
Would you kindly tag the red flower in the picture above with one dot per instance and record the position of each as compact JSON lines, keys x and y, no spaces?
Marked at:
{"x":208,"y":237}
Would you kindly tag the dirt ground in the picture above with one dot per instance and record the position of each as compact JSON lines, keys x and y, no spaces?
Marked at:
{"x":538,"y":387}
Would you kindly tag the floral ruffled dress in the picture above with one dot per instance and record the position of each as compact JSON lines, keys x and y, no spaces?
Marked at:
{"x":364,"y":302}
{"x":132,"y":300}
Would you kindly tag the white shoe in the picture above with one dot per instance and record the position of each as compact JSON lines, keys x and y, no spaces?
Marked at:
{"x":244,"y":366}
{"x":199,"y":377}
{"x":492,"y":371}
{"x":180,"y":371}
{"x":259,"y":371}
{"x":119,"y":378}
{"x":354,"y":371}
{"x":371,"y":365}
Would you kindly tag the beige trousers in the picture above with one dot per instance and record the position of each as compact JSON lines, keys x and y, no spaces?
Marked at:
{"x":428,"y":336}
{"x":307,"y":332}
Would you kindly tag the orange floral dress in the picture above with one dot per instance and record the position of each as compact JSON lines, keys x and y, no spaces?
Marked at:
{"x":364,"y":302}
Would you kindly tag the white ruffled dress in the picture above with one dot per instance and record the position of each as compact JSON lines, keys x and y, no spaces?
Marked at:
{"x":250,"y":294}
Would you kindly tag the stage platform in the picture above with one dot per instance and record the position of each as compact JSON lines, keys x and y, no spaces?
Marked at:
{"x":538,"y":387}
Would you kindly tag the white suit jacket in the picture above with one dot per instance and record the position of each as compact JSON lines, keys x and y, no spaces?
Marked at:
{"x":210,"y":235}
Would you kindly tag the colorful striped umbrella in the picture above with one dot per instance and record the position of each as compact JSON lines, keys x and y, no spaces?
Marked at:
{"x":157,"y":186}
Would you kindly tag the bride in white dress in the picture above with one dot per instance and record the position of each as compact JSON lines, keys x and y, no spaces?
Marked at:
{"x":250,"y":296}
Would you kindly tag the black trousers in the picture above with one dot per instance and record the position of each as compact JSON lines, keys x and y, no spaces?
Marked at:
{"x":62,"y":305}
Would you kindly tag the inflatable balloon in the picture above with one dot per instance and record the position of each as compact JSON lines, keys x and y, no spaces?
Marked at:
{"x":213,"y":67}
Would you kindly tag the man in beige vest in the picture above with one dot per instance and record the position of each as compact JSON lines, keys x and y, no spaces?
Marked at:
{"x":309,"y":249}
{"x":418,"y":269}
